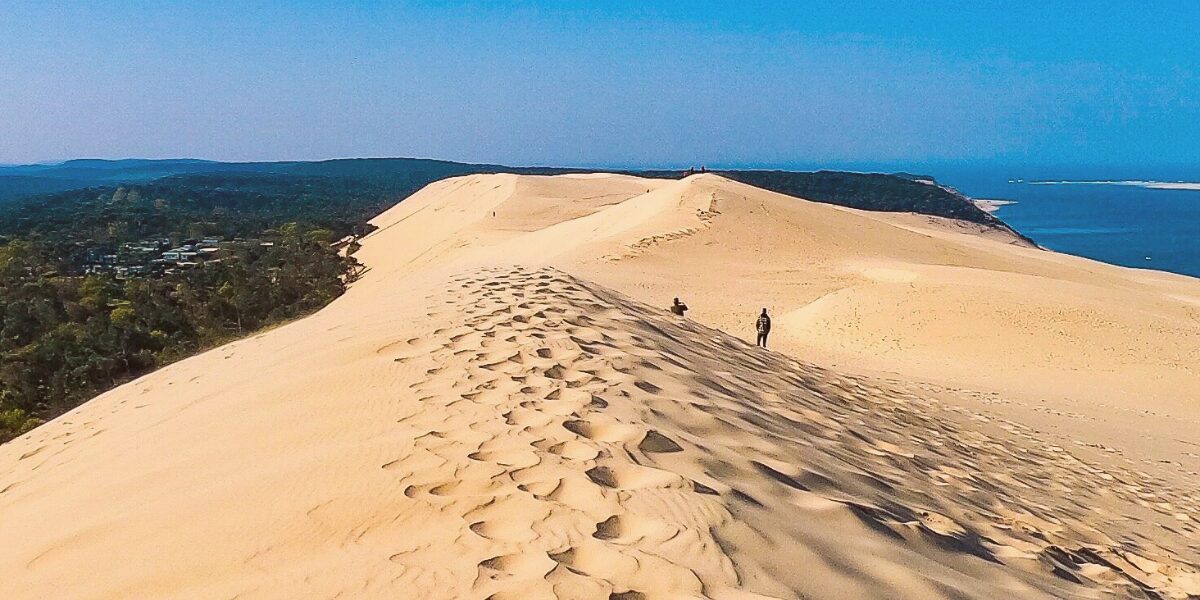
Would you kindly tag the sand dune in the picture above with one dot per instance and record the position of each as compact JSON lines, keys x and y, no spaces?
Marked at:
{"x":501,"y":408}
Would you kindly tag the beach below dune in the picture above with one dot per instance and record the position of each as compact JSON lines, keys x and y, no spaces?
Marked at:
{"x":991,"y":205}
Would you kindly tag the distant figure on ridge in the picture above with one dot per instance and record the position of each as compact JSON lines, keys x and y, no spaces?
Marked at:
{"x":678,"y":307}
{"x":763,"y":327}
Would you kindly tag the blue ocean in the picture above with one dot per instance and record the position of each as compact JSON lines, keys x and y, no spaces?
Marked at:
{"x":1120,"y":224}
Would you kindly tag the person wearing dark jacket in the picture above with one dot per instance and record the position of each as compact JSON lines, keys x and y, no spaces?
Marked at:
{"x":678,"y":307}
{"x":763,"y":327}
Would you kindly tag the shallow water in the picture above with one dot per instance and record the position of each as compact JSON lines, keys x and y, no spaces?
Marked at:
{"x":1124,"y":225}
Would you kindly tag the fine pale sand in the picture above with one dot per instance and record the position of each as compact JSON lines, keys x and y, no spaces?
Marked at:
{"x":1157,"y":185}
{"x":503,"y":408}
{"x":991,"y":206}
{"x":1162,"y":185}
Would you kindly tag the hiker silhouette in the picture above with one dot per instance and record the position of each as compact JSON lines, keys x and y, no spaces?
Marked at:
{"x":763,"y":327}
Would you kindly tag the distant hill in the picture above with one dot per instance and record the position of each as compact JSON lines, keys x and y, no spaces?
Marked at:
{"x":26,"y":180}
{"x":19,"y":181}
{"x":16,"y":186}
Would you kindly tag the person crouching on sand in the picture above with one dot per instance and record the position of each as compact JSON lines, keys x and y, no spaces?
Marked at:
{"x":678,"y":307}
{"x":763,"y":327}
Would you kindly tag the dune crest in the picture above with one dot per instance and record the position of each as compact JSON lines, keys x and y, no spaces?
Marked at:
{"x":499,"y":409}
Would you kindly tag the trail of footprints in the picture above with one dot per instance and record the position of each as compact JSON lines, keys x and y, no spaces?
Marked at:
{"x":543,"y":453}
{"x":537,"y":408}
{"x":704,"y":218}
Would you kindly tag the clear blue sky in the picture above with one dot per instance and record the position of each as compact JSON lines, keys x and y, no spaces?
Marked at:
{"x":608,"y":83}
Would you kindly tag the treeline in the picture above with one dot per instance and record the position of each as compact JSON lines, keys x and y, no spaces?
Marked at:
{"x":228,"y":205}
{"x":868,"y":191}
{"x":65,"y":336}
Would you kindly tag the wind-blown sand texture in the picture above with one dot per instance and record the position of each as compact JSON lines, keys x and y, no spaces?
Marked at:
{"x":503,"y":408}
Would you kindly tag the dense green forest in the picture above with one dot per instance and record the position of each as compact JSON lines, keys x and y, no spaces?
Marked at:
{"x":67,"y":335}
{"x":230,"y":205}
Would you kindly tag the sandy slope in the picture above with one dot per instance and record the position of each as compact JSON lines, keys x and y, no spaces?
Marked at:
{"x":501,"y":408}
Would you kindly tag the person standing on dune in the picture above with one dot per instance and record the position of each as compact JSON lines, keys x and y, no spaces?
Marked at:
{"x":678,"y":307}
{"x":763,"y":327}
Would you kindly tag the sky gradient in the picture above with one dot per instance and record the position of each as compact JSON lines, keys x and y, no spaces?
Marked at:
{"x":629,"y":84}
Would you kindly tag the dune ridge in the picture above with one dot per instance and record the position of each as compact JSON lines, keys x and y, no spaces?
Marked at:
{"x":500,"y":409}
